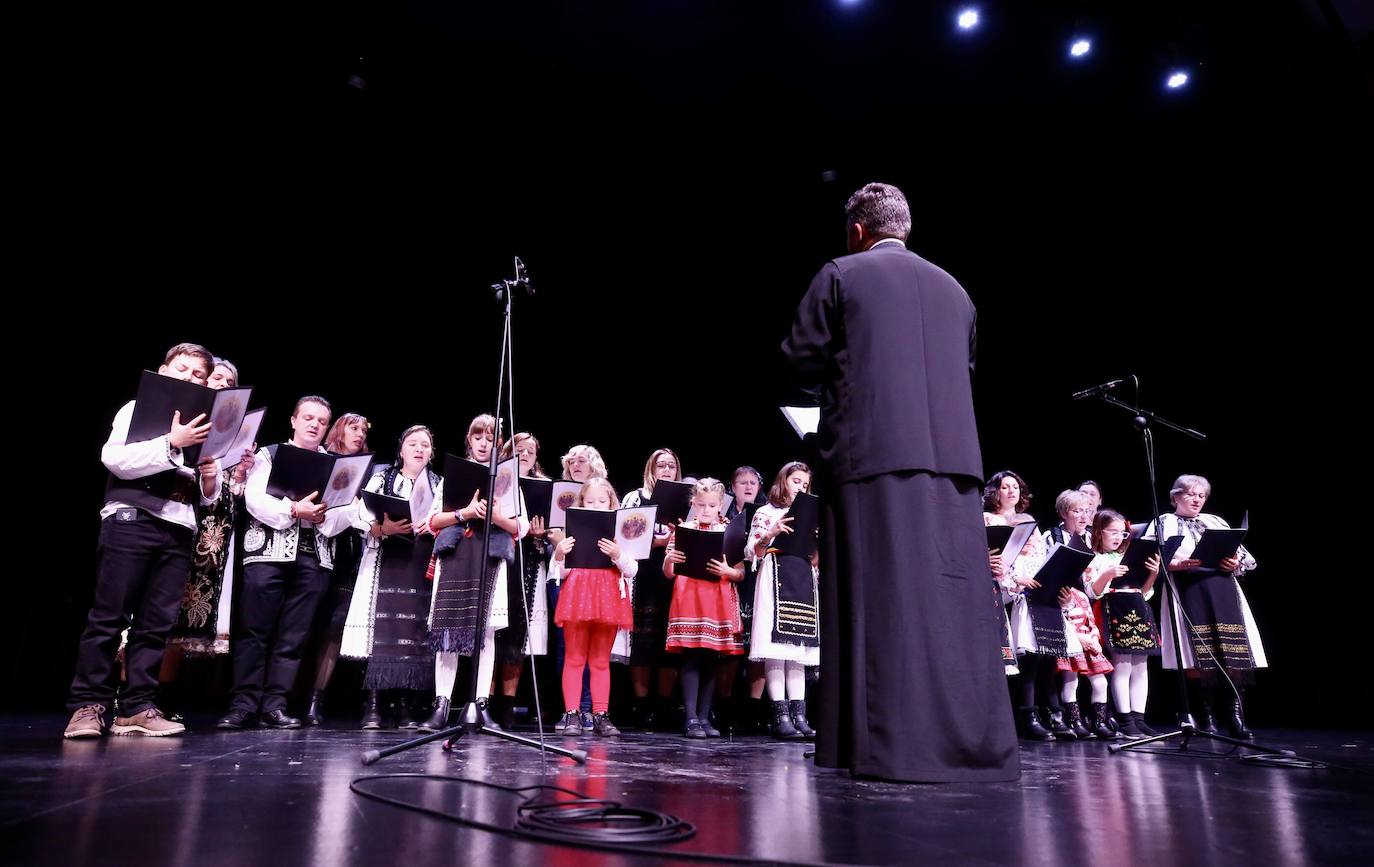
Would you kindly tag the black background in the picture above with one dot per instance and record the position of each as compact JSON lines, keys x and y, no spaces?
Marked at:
{"x":673,"y":173}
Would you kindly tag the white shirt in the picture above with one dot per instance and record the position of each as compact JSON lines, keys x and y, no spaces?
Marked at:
{"x":131,"y":461}
{"x":275,"y":512}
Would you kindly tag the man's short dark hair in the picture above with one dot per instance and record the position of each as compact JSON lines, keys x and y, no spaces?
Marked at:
{"x":312,"y":398}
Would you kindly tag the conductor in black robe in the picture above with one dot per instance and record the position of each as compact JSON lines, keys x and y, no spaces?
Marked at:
{"x":912,"y":680}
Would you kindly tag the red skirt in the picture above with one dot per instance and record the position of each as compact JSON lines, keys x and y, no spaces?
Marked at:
{"x":593,"y":596}
{"x":705,"y":615}
{"x":1085,"y":663}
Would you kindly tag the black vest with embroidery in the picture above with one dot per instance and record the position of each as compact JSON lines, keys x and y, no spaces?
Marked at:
{"x":264,"y":544}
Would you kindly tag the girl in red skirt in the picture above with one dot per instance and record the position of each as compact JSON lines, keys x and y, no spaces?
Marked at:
{"x":703,"y":618}
{"x":1086,"y":659}
{"x":592,"y":605}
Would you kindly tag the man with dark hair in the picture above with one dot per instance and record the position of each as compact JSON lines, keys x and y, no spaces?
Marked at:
{"x":146,"y":530}
{"x":913,"y":687}
{"x":288,"y":552}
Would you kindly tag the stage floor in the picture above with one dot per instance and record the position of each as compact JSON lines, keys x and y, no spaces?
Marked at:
{"x":281,"y":799}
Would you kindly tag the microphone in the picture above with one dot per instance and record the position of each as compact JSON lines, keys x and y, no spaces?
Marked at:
{"x":1097,"y":389}
{"x":522,"y":277}
{"x":522,"y":280}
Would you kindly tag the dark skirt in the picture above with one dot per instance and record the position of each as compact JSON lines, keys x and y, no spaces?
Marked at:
{"x":455,"y":622}
{"x":1128,"y":625}
{"x":510,"y":641}
{"x":401,"y":658}
{"x":747,"y":588}
{"x":1211,"y":602}
{"x":653,"y":594}
{"x":333,"y":610}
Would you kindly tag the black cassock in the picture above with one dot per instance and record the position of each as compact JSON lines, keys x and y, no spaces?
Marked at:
{"x":912,"y":682}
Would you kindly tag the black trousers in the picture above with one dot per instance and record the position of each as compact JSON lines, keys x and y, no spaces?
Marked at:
{"x":144,"y":563}
{"x":277,"y":607}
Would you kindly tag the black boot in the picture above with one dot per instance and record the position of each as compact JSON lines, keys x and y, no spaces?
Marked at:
{"x":1057,"y":725}
{"x":1030,"y":726}
{"x":169,"y":701}
{"x":405,"y":712}
{"x":1145,"y":730}
{"x":1202,"y":709}
{"x":1075,"y":721}
{"x":664,"y":715}
{"x":1127,"y":726}
{"x":1100,"y":727}
{"x":763,"y":716}
{"x":438,"y":721}
{"x":314,"y":715}
{"x":642,"y":713}
{"x":1204,"y":719}
{"x":1235,"y":722}
{"x":676,"y":714}
{"x":797,"y":710}
{"x":739,"y":709}
{"x":781,"y":726}
{"x":501,"y":706}
{"x":722,"y":714}
{"x":372,"y":712}
{"x":496,"y":707}
{"x":484,"y":715}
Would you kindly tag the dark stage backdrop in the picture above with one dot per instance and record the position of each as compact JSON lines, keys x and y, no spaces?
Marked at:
{"x":672,"y":177}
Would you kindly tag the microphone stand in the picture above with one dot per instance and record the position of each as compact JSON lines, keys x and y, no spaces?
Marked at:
{"x":470,"y":717}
